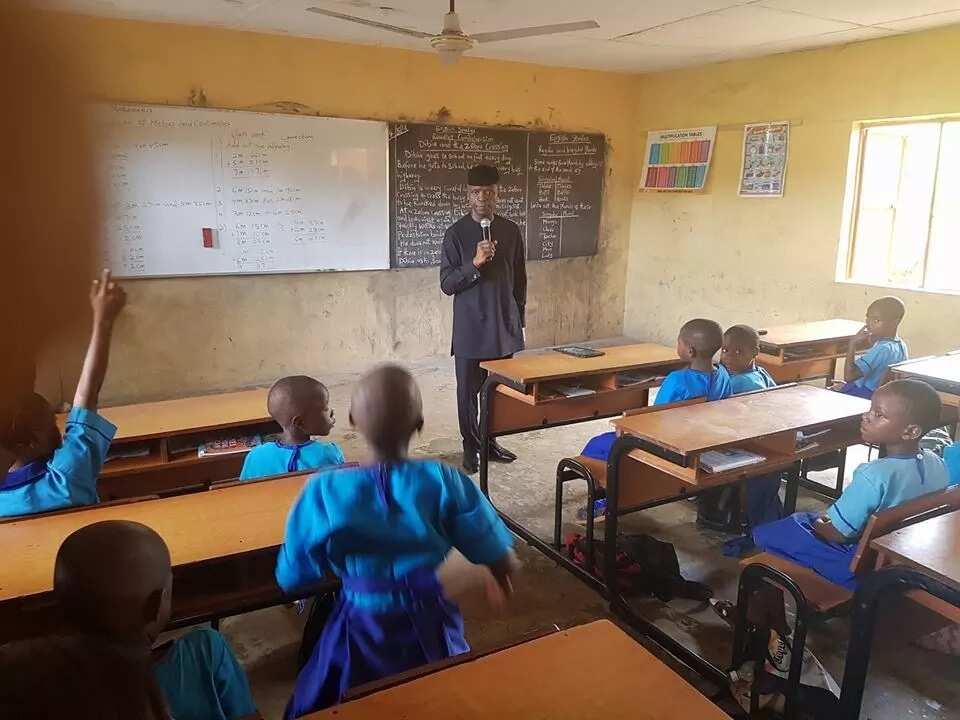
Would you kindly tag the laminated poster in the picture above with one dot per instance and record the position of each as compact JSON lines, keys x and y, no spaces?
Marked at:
{"x":764,"y":164}
{"x":678,"y":160}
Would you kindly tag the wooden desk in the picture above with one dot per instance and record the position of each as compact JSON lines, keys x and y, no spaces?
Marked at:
{"x":806,"y":351}
{"x":766,"y":423}
{"x":657,"y":459}
{"x":521,"y":392}
{"x":520,"y":395}
{"x":223,"y":544}
{"x":932,"y":546}
{"x":160,"y":427}
{"x":942,"y":372}
{"x":593,"y":670}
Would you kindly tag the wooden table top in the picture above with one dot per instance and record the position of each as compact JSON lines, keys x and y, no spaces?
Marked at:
{"x":694,"y":428}
{"x":194,"y":414}
{"x":547,"y":364}
{"x":784,"y":336}
{"x":931,"y":545}
{"x":544,"y":678}
{"x":941,"y":367}
{"x":197,"y":527}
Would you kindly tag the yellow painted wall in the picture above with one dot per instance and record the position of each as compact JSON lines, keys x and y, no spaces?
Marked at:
{"x":766,"y":261}
{"x":186,"y":336}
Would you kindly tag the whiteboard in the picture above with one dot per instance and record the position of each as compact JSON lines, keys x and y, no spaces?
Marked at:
{"x":195,"y":191}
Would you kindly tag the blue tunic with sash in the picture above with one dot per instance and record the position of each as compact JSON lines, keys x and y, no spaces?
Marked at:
{"x":383,"y":530}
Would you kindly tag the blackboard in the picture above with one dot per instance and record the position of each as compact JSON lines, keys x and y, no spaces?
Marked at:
{"x":551,"y":185}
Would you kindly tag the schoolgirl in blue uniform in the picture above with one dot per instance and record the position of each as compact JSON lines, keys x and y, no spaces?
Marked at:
{"x":864,"y":374}
{"x":383,"y":529}
{"x":50,"y":472}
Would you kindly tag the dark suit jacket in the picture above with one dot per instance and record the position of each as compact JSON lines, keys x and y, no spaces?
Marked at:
{"x":488,"y":304}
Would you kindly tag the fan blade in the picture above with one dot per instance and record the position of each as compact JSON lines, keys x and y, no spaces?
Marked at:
{"x":371,"y":23}
{"x":533,"y":31}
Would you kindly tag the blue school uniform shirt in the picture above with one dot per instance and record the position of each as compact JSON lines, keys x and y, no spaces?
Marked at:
{"x":202,"y":680}
{"x":756,"y":378}
{"x":66,"y":478}
{"x":873,"y":364}
{"x":384,"y":521}
{"x":886,"y":483}
{"x":951,"y":457}
{"x":688,"y":383}
{"x":275,"y":458}
{"x":684,"y":384}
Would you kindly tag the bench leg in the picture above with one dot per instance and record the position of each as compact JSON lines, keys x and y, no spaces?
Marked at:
{"x":567,"y":471}
{"x":841,"y":471}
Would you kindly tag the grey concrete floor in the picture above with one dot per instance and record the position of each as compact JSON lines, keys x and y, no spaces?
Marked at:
{"x":905,"y":682}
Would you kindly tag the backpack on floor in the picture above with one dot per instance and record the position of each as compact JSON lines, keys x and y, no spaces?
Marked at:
{"x":645,"y":566}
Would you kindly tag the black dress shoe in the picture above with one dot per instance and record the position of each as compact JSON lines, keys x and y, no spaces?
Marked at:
{"x":501,"y":454}
{"x":471,"y":462}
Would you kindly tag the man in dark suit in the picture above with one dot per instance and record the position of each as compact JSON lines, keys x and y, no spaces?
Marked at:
{"x":484,"y":268}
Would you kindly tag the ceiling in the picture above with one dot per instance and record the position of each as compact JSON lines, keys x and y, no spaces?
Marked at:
{"x":634,"y":35}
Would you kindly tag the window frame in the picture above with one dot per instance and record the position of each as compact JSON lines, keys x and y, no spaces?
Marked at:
{"x":852,"y":195}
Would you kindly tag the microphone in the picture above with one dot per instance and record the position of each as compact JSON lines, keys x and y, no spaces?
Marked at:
{"x":485,"y":228}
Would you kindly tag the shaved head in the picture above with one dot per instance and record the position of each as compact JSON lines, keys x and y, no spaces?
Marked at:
{"x":387,"y":408}
{"x":113,"y":578}
{"x":705,"y":336}
{"x":292,"y":396}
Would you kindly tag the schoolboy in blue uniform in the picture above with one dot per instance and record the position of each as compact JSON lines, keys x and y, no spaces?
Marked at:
{"x":863,"y":375}
{"x":741,"y":345}
{"x":301,"y":406}
{"x":697,"y":343}
{"x":113,"y":580}
{"x":383,"y":529}
{"x":49,"y":471}
{"x":900,"y":413}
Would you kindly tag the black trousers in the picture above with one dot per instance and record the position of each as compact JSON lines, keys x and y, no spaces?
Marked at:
{"x":470,"y":378}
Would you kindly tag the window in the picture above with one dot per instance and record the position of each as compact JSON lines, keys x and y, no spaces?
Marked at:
{"x":902,"y":208}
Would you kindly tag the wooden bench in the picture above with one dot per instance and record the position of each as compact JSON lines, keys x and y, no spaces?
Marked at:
{"x":827,"y":598}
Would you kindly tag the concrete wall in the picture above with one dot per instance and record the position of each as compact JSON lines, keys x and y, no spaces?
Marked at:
{"x":192,"y":335}
{"x":766,"y":261}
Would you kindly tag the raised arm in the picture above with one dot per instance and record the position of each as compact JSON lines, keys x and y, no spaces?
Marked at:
{"x":850,"y":370}
{"x":456,"y":272}
{"x":107,"y":299}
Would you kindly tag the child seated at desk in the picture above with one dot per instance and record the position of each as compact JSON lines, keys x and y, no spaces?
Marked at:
{"x":301,"y":406}
{"x":864,"y":374}
{"x":113,"y":579}
{"x":900,"y":413}
{"x":48,"y":471}
{"x":741,"y":345}
{"x":383,"y":529}
{"x":697,"y":343}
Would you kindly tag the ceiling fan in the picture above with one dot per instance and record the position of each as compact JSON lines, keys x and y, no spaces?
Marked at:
{"x":452,"y":41}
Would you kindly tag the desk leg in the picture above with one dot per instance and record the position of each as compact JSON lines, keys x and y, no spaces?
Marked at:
{"x":793,"y":487}
{"x":618,"y":605}
{"x":486,"y":391}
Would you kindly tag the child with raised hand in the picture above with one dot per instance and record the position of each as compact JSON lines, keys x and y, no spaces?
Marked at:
{"x":49,"y":471}
{"x":864,"y":374}
{"x":113,"y":580}
{"x":301,"y":406}
{"x":384,"y":529}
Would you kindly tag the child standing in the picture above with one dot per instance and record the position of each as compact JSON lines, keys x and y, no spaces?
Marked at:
{"x":50,"y":471}
{"x":301,"y":406}
{"x":900,"y":413}
{"x":863,"y":375}
{"x":113,"y":580}
{"x":383,"y":529}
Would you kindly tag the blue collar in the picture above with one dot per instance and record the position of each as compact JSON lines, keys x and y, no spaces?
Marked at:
{"x":295,"y":455}
{"x":24,"y":476}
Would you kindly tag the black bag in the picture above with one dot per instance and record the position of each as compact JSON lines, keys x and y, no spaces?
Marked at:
{"x":645,"y":566}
